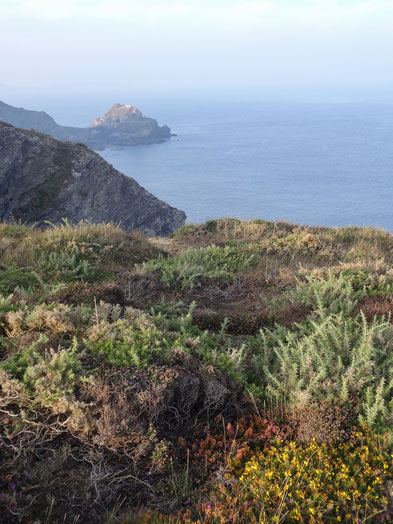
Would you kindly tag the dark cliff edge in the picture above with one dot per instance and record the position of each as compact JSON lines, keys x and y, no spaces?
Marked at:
{"x":122,"y":125}
{"x":43,"y":179}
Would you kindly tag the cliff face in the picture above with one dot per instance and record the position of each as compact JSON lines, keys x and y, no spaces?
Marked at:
{"x":38,"y":120}
{"x":120,"y":126}
{"x":42,"y":179}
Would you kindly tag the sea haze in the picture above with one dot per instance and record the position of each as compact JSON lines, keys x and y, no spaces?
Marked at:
{"x":318,"y":163}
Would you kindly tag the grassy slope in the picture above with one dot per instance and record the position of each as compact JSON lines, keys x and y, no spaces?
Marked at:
{"x":238,"y":371}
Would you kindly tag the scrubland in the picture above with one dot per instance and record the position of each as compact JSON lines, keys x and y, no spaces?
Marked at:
{"x":239,"y":371}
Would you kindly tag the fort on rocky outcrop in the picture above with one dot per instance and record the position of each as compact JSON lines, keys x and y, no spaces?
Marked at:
{"x":122,"y":125}
{"x":125,"y":125}
{"x":43,"y":179}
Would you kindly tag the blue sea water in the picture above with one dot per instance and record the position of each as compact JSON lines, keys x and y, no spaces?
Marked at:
{"x":311,"y":162}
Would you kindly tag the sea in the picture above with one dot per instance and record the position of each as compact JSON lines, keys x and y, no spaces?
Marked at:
{"x":321,"y":158}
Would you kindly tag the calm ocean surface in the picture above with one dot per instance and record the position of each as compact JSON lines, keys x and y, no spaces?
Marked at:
{"x":306,"y":162}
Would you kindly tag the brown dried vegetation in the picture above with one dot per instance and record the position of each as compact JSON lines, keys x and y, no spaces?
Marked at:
{"x":108,"y":377}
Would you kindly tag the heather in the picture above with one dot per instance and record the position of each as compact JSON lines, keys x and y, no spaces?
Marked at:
{"x":238,"y":371}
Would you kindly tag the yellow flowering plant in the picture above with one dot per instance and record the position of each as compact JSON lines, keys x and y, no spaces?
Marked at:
{"x":318,"y":482}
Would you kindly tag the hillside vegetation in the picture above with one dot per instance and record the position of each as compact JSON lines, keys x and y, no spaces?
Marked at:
{"x":235,"y":372}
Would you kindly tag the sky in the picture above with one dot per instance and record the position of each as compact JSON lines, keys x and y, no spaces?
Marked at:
{"x":79,"y":45}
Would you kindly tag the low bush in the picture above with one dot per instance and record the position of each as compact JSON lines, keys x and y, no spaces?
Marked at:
{"x":215,"y":262}
{"x":314,"y":483}
{"x":243,"y":375}
{"x":335,"y":358}
{"x":12,"y":277}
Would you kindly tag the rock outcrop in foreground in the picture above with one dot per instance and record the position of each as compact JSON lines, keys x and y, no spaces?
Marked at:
{"x":43,"y":179}
{"x":122,"y":125}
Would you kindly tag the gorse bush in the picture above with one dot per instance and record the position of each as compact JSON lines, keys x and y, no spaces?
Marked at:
{"x":12,"y":277}
{"x":52,"y":319}
{"x":330,"y":295}
{"x":46,"y":374}
{"x":123,"y":345}
{"x":69,"y":266}
{"x":54,"y":374}
{"x":63,"y":260}
{"x":239,"y":371}
{"x":97,"y":243}
{"x":141,"y":339}
{"x":39,"y":261}
{"x":339,"y":358}
{"x":185,"y":269}
{"x":225,"y":228}
{"x":313,"y":483}
{"x":7,"y":305}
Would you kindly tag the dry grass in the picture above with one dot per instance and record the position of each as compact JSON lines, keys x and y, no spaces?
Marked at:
{"x":104,"y":369}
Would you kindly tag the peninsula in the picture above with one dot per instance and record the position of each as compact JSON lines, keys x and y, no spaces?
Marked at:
{"x":122,"y":125}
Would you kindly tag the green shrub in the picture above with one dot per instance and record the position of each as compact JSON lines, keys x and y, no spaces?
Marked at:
{"x":66,"y":263}
{"x":12,"y":277}
{"x":185,"y":231}
{"x":54,"y":374}
{"x":122,"y":345}
{"x":184,"y":270}
{"x":7,"y":305}
{"x":19,"y":361}
{"x":331,"y":295}
{"x":338,"y":358}
{"x":96,"y":243}
{"x":47,"y":373}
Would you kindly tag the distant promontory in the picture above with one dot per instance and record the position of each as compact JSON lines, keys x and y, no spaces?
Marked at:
{"x":122,"y":125}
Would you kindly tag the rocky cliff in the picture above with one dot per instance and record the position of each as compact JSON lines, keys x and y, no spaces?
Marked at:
{"x":122,"y":125}
{"x":125,"y":123}
{"x":43,"y":179}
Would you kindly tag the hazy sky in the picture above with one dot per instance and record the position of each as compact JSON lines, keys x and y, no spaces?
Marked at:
{"x":81,"y":44}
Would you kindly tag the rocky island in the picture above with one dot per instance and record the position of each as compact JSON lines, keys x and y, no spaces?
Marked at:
{"x":122,"y":125}
{"x":43,"y":179}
